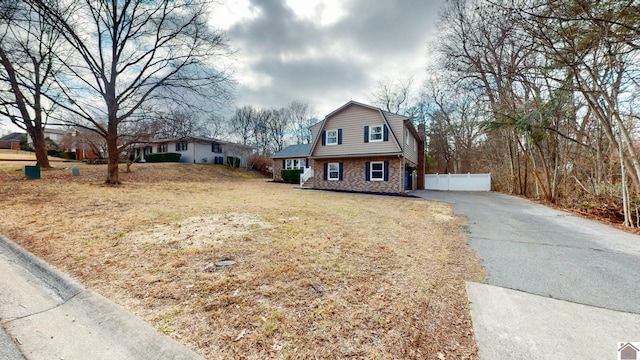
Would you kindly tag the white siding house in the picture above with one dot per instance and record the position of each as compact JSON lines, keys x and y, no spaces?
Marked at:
{"x":197,"y":150}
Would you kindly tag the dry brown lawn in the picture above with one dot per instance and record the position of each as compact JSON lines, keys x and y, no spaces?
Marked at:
{"x":315,"y":274}
{"x":17,"y":155}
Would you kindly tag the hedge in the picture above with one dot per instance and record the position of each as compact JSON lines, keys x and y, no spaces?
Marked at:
{"x":291,"y":176}
{"x":162,"y":157}
{"x":62,"y":154}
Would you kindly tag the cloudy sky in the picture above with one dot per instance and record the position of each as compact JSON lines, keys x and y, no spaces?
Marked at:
{"x":324,"y":52}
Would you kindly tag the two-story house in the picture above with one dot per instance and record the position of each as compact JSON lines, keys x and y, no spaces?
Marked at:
{"x":359,"y":148}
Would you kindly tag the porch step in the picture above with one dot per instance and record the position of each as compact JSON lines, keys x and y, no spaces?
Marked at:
{"x":309,"y":184}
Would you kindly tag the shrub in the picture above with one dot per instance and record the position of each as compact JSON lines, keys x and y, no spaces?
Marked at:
{"x":290,"y":176}
{"x":233,"y":161}
{"x":67,"y":155}
{"x":261,"y":163}
{"x":53,"y":152}
{"x":162,"y":157}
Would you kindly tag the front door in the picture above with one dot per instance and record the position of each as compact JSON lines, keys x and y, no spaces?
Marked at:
{"x":408,"y":179}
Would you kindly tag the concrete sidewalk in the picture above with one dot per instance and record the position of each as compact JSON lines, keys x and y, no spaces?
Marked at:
{"x":510,"y":324}
{"x":46,"y":315}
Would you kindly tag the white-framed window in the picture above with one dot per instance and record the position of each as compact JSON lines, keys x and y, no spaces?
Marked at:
{"x":333,"y":172}
{"x":415,"y":145}
{"x":162,"y":148}
{"x":376,"y":133}
{"x":182,"y":146}
{"x":294,"y":164}
{"x":406,"y":136}
{"x":332,"y":137}
{"x":377,"y":171}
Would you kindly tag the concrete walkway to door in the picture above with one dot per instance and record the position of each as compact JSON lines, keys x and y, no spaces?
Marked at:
{"x":558,"y":284}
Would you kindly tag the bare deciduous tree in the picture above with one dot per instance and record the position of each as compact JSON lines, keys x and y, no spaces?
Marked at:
{"x":180,"y":123}
{"x":300,"y":120}
{"x":27,"y":67}
{"x":393,"y":95}
{"x":128,"y":55}
{"x":242,"y":123}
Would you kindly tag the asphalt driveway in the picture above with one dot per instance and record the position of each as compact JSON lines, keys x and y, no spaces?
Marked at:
{"x":555,"y":255}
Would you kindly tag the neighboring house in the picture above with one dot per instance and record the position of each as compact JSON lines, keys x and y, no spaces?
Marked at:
{"x":81,"y":142}
{"x":11,"y":141}
{"x":197,"y":150}
{"x":361,"y":148}
{"x":55,"y":135}
{"x":292,"y":157}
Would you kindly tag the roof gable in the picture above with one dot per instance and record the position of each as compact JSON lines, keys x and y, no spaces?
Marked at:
{"x":349,"y":104}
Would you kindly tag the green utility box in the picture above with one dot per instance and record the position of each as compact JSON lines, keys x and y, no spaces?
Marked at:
{"x":75,"y":172}
{"x":32,"y":172}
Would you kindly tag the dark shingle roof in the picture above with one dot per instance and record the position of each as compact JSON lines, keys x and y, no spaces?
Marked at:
{"x":294,"y":151}
{"x":12,"y":137}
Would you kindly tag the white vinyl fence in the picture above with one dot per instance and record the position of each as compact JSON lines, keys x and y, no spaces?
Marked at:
{"x":458,"y":182}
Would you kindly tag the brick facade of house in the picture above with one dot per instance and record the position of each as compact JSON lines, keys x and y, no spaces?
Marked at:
{"x":354,"y":175}
{"x":277,"y":168}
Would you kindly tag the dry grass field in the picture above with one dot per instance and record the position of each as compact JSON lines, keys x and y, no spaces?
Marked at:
{"x":314,"y":274}
{"x":18,"y":155}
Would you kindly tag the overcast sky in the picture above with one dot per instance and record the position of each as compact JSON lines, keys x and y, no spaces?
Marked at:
{"x":324,"y":52}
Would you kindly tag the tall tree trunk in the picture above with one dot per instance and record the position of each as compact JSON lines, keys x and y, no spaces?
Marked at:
{"x":40,"y":147}
{"x":113,"y":175}
{"x":32,"y":125}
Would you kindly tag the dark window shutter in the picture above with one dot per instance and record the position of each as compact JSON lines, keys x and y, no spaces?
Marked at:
{"x":340,"y":172}
{"x":177,"y":147}
{"x":326,"y":169}
{"x":366,"y":134}
{"x":367,"y":171}
{"x":386,"y":171}
{"x":324,"y":138}
{"x":284,"y":163}
{"x":339,"y":136}
{"x":306,"y":163}
{"x":385,"y":135}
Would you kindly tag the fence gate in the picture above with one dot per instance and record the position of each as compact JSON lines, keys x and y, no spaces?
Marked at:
{"x":458,"y":182}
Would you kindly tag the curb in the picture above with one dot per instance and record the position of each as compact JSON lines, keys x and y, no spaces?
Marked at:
{"x":63,"y":285}
{"x":83,"y":325}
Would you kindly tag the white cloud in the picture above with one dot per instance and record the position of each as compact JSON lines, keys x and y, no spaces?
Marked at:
{"x":320,"y":12}
{"x":325,"y":52}
{"x":229,"y":12}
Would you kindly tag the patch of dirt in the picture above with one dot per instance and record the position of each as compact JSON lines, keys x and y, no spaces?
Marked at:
{"x":202,"y":230}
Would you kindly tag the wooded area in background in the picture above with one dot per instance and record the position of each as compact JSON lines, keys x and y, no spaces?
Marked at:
{"x":541,"y":94}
